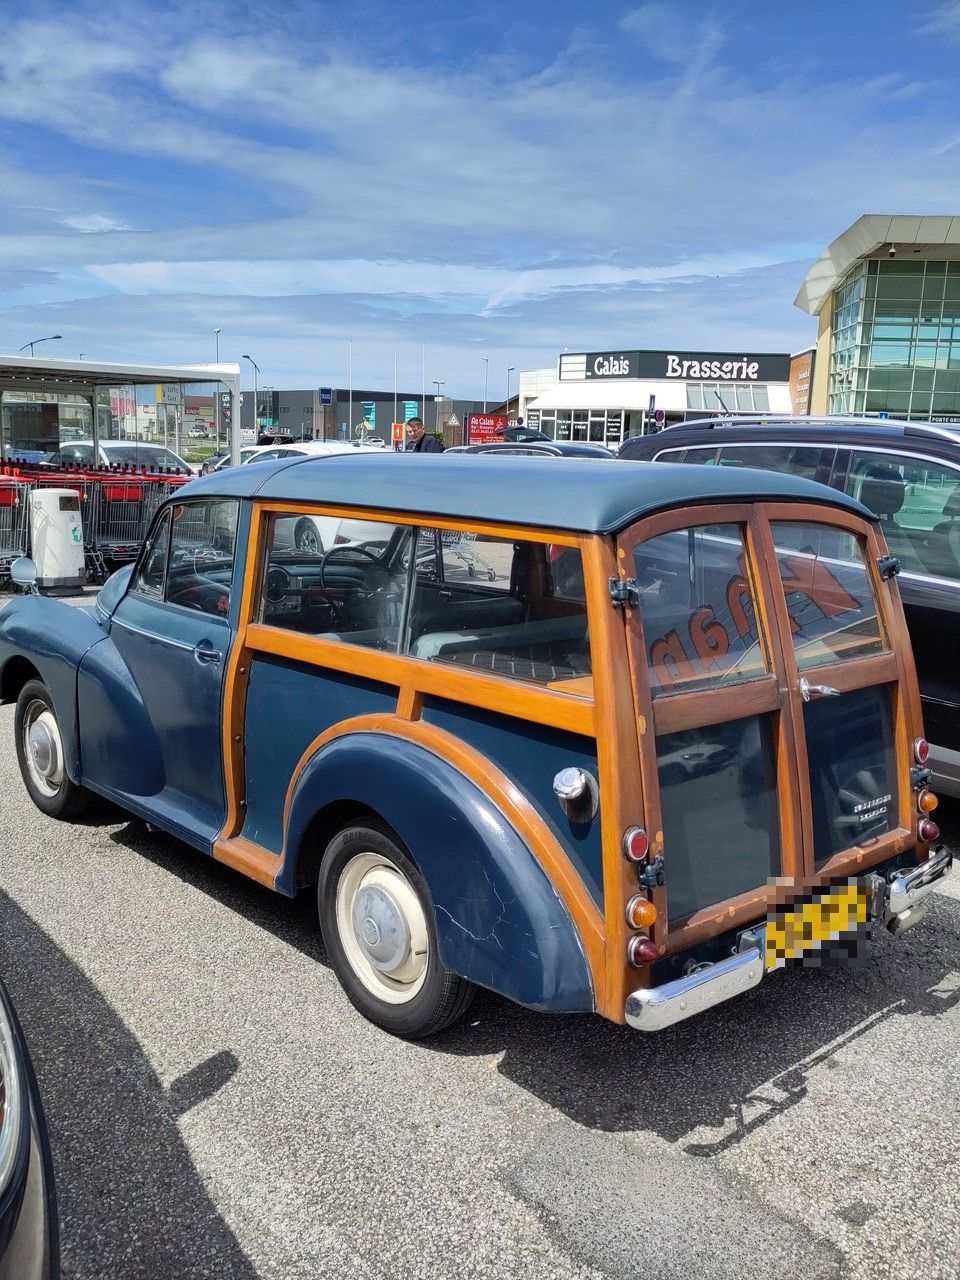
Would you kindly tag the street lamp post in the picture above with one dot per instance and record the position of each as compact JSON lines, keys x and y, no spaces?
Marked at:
{"x":486,"y":370}
{"x":216,"y":392}
{"x":507,"y":406}
{"x":438,"y":385}
{"x":54,"y":337}
{"x":256,"y":373}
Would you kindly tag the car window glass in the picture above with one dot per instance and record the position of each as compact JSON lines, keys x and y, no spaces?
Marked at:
{"x":337,"y":579}
{"x":918,"y":505}
{"x":202,"y":544}
{"x":791,"y":460}
{"x":509,"y":608}
{"x":153,"y":560}
{"x":830,"y":599}
{"x":696,"y":605}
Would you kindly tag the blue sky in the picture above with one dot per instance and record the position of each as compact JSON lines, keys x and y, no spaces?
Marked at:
{"x":499,"y":180}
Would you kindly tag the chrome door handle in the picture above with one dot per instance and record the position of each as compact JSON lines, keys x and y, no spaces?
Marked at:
{"x":205,"y":653}
{"x":808,"y":690}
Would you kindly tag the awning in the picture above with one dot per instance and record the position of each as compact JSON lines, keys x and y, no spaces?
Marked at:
{"x":601,"y":394}
{"x":82,"y":377}
{"x":633,"y":396}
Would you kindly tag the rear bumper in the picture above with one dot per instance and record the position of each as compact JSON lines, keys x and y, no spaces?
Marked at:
{"x":898,"y":903}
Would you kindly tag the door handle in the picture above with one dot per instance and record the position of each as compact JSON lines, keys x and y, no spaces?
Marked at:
{"x":205,"y":654}
{"x":808,"y":690}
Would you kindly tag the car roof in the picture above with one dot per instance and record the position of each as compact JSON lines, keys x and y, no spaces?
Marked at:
{"x":543,"y":448}
{"x":833,"y":428}
{"x":579,"y":496}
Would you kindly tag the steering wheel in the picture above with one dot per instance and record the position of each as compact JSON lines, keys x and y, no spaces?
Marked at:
{"x":352,"y":549}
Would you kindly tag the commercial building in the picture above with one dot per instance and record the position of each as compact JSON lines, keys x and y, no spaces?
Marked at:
{"x":336,"y":413}
{"x":606,"y":396}
{"x":887,"y":297}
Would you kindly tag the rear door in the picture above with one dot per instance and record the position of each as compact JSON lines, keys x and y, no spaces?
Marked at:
{"x":763,"y":655}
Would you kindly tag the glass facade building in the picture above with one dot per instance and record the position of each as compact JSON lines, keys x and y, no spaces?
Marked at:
{"x":896,"y":340}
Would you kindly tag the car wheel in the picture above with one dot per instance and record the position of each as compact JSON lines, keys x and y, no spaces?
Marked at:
{"x":377,"y":924}
{"x":40,"y":755}
{"x":306,"y":536}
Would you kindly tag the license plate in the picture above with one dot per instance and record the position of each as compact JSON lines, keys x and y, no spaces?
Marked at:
{"x":800,"y":928}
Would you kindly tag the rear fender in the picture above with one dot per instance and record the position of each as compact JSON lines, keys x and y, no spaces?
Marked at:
{"x":499,"y":920}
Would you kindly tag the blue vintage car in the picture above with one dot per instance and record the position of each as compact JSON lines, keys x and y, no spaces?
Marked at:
{"x":582,"y":777}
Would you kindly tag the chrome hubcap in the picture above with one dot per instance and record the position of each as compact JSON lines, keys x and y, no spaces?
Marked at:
{"x":382,"y":928}
{"x":43,"y":748}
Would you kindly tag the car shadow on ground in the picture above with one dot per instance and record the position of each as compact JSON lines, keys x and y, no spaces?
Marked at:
{"x":131,"y":1201}
{"x":757,"y":1051}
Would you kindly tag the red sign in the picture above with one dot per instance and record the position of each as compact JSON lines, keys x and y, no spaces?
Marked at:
{"x":486,"y":428}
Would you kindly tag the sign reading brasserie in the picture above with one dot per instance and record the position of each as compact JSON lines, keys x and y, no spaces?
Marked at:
{"x":679,"y":366}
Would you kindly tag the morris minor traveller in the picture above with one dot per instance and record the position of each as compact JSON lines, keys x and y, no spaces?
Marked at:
{"x":668,"y":744}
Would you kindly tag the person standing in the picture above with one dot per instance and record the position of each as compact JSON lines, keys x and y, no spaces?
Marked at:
{"x":419,"y":441}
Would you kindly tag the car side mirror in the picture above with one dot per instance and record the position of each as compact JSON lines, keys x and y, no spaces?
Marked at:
{"x":24,"y":573}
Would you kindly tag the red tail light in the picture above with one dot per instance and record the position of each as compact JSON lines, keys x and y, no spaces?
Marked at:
{"x":928,"y":830}
{"x":641,"y":951}
{"x":921,"y":749}
{"x":636,"y":845}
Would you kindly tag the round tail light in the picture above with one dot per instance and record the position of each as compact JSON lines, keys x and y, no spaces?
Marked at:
{"x":636,"y":845}
{"x":927,"y":801}
{"x":641,"y":951}
{"x":928,"y":830}
{"x":641,"y":913}
{"x":921,"y":749}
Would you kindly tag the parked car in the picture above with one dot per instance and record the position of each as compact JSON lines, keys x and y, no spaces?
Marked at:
{"x":908,"y":473}
{"x":571,"y":782}
{"x":124,"y":453}
{"x":521,"y":435}
{"x":536,"y":449}
{"x":29,"y":1230}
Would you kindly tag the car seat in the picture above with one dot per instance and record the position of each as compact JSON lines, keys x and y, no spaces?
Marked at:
{"x":883,"y":491}
{"x":943,"y":551}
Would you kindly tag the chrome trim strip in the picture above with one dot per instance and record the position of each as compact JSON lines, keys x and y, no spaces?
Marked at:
{"x":152,"y":635}
{"x":658,"y":1007}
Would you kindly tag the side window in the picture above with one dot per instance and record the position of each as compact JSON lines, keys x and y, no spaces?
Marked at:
{"x":703,"y":456}
{"x":699,"y":623}
{"x":515,"y":609}
{"x":791,"y":460}
{"x":918,"y":505}
{"x":337,"y":579}
{"x":202,"y":541}
{"x":153,"y":560}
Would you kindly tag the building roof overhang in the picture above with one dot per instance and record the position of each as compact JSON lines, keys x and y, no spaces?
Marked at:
{"x":872,"y":236}
{"x":28,"y":373}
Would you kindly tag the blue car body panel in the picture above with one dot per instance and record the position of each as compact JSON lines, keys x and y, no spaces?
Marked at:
{"x":500,"y":921}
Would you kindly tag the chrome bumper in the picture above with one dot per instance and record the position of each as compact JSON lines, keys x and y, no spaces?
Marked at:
{"x":899,"y":904}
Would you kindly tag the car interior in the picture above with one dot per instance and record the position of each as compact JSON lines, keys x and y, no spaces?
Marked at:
{"x":513,"y":608}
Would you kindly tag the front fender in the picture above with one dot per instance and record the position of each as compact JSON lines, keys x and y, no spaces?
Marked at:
{"x":499,"y":920}
{"x":53,"y":637}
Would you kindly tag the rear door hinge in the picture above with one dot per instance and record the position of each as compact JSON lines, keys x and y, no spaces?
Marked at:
{"x":653,"y":874}
{"x":889,"y":566}
{"x":625,"y":592}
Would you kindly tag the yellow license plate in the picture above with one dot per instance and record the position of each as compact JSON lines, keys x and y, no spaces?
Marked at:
{"x":807,"y":926}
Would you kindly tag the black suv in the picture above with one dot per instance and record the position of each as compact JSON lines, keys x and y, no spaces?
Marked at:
{"x":908,"y":473}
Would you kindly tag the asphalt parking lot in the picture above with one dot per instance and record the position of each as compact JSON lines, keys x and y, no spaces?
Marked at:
{"x":217,"y":1108}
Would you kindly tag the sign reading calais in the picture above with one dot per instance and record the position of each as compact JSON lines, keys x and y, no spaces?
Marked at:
{"x":678,"y":366}
{"x":484,"y":428}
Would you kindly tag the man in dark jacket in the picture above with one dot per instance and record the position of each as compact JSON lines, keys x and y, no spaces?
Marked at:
{"x":419,"y":442}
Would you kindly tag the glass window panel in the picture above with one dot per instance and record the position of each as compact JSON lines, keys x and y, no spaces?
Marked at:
{"x":721,"y":826}
{"x":699,"y":624}
{"x":694,"y":395}
{"x":153,"y":561}
{"x":529,"y":622}
{"x":711,"y":399}
{"x":884,"y":353}
{"x":704,"y":456}
{"x":951,"y":290}
{"x":922,"y":380}
{"x":338,"y":579}
{"x":761,"y":398}
{"x":202,"y":539}
{"x":790,"y":459}
{"x":852,"y":769}
{"x":833,"y":613}
{"x":744,"y":398}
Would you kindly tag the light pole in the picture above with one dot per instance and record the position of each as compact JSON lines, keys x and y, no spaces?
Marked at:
{"x":507,"y":406}
{"x":486,"y":370}
{"x":216,"y":390}
{"x":256,"y":372}
{"x":438,"y":385}
{"x":54,"y":337}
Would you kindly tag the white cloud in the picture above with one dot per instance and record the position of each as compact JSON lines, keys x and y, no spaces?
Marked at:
{"x":92,"y":223}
